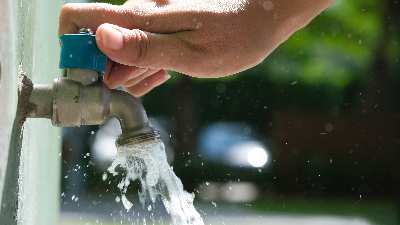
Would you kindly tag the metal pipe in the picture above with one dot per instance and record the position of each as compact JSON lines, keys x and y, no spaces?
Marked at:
{"x":84,"y":76}
{"x":69,"y":103}
{"x":42,"y":97}
{"x":128,"y":110}
{"x":133,"y":119}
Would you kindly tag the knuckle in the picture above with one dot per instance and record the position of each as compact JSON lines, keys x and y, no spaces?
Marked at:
{"x":140,"y":47}
{"x":65,"y":20}
{"x":66,"y":10}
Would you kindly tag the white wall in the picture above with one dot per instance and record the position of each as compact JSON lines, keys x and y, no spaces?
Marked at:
{"x":30,"y":188}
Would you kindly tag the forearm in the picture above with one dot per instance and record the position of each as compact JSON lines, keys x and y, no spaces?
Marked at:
{"x":279,"y":19}
{"x":287,"y":16}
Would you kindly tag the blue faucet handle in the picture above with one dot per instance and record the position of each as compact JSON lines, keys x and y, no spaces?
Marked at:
{"x":80,"y":51}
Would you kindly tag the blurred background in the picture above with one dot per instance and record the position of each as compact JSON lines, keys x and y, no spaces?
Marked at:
{"x":311,"y":131}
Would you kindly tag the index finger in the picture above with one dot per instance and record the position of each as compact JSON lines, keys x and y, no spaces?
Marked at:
{"x":74,"y":16}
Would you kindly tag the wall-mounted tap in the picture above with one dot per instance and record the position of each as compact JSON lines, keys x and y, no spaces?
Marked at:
{"x":81,"y":98}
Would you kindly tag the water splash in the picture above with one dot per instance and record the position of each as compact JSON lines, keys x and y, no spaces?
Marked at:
{"x":147,"y":162}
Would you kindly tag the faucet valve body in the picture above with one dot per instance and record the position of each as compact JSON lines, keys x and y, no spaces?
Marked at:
{"x":81,"y":99}
{"x":75,"y":104}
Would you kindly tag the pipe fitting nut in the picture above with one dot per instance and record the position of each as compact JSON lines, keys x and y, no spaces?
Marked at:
{"x":75,"y":104}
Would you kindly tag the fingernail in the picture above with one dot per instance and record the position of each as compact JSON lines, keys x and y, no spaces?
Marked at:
{"x":112,"y":38}
{"x":167,"y":76}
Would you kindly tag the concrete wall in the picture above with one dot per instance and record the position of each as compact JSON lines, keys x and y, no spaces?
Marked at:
{"x":30,"y":166}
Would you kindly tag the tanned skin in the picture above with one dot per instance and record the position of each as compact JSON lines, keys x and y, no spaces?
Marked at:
{"x":200,"y":38}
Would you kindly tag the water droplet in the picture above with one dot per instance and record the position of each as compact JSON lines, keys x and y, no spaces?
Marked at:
{"x":268,"y":5}
{"x":73,"y":197}
{"x":104,"y":176}
{"x":221,"y":88}
{"x":329,"y":127}
{"x":117,"y":199}
{"x":149,"y":208}
{"x":335,"y":28}
{"x":214,"y":204}
{"x":247,"y":131}
{"x":127,"y":204}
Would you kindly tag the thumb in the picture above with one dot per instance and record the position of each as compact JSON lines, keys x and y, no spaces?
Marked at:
{"x":140,"y":48}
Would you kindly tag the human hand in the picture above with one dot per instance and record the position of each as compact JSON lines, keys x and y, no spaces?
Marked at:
{"x":201,"y":38}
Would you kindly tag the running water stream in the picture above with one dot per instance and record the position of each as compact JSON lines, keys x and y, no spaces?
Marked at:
{"x":147,"y":162}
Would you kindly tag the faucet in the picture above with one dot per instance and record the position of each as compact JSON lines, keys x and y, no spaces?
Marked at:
{"x":81,"y":98}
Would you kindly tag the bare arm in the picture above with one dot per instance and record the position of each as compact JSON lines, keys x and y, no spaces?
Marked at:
{"x":201,"y":38}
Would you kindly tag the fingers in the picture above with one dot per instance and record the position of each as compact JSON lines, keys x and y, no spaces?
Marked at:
{"x":148,"y":83}
{"x":140,"y":15}
{"x":139,"y":78}
{"x":137,"y":81}
{"x":74,"y":16}
{"x":120,"y":74}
